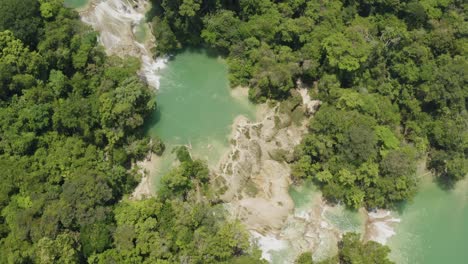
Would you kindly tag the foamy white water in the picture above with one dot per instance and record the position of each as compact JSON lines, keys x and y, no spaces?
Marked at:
{"x":380,"y":226}
{"x":116,"y":22}
{"x":268,"y":244}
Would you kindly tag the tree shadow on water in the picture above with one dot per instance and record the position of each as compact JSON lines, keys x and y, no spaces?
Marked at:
{"x":204,"y":50}
{"x":152,"y":120}
{"x":445,"y":183}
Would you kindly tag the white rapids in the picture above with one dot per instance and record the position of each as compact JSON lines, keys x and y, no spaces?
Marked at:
{"x":380,"y":226}
{"x":117,"y":21}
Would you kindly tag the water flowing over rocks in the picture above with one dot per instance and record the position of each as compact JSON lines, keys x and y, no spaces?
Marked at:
{"x":255,"y":176}
{"x":117,"y":22}
{"x":380,"y":226}
{"x":255,"y":179}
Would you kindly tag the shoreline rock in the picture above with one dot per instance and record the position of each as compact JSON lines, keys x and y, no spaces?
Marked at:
{"x":116,"y":21}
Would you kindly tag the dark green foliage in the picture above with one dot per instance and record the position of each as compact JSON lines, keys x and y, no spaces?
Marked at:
{"x":167,"y":41}
{"x":22,"y":18}
{"x":304,"y":258}
{"x":355,"y":160}
{"x":402,"y":65}
{"x":182,"y":154}
{"x":70,"y":121}
{"x":221,"y":30}
{"x":179,"y":181}
{"x":157,"y":146}
{"x":152,"y":231}
{"x":351,"y":250}
{"x":95,"y":238}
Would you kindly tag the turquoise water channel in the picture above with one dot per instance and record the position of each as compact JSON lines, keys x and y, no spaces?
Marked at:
{"x":75,"y":3}
{"x":434,"y":227}
{"x":196,"y":107}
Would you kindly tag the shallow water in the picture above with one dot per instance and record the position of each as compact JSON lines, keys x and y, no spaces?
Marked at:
{"x":344,"y":220}
{"x":434,"y":227}
{"x":313,"y":226}
{"x":75,"y":3}
{"x":196,"y":107}
{"x":141,"y":31}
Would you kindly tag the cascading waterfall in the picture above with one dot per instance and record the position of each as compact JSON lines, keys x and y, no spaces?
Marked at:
{"x":117,"y":21}
{"x":380,"y":226}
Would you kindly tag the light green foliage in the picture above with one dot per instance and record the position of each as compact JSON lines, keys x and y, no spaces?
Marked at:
{"x":14,"y":54}
{"x":181,"y":180}
{"x":124,"y":108}
{"x":64,"y":249}
{"x":325,"y":176}
{"x":152,"y":231}
{"x":433,"y":8}
{"x":304,"y":258}
{"x":387,"y":138}
{"x":346,"y":52}
{"x":355,"y":160}
{"x":352,"y":250}
{"x":22,"y":18}
{"x":58,"y":82}
{"x":50,"y":8}
{"x":189,"y":7}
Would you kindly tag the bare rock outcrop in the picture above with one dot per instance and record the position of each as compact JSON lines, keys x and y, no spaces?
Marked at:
{"x":255,"y":172}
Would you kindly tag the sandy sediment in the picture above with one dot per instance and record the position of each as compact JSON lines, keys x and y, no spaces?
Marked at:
{"x":146,"y":168}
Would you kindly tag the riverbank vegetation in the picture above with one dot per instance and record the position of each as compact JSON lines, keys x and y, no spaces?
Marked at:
{"x":352,"y":250}
{"x":70,"y":129}
{"x":391,"y":76}
{"x":180,"y":225}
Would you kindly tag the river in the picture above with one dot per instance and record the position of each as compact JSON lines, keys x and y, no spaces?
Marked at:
{"x":76,"y":3}
{"x":197,"y":107}
{"x":434,"y":227}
